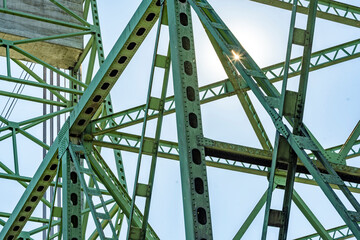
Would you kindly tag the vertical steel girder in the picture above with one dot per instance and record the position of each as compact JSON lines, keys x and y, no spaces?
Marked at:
{"x":189,"y":127}
{"x":287,"y":104}
{"x":71,"y":211}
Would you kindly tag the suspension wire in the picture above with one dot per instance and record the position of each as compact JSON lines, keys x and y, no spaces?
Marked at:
{"x":21,"y":88}
{"x":11,"y":102}
{"x":10,"y":97}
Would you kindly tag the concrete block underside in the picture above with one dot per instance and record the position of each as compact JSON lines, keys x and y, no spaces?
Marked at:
{"x":62,"y":53}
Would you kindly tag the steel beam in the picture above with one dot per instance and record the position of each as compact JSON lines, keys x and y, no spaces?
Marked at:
{"x":218,"y":90}
{"x":123,"y":50}
{"x":310,"y":216}
{"x":159,"y":61}
{"x":31,"y":197}
{"x":189,"y":126}
{"x":265,"y":93}
{"x":338,"y":233}
{"x":117,"y":191}
{"x":227,"y":156}
{"x":301,"y":205}
{"x":291,"y":105}
{"x":328,"y":9}
{"x":71,"y":210}
{"x":350,"y":142}
{"x":251,"y":217}
{"x":81,"y":117}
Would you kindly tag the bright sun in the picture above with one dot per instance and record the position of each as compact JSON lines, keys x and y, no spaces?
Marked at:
{"x":236,"y":56}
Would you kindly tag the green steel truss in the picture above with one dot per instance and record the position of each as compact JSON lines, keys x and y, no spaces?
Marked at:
{"x":327,"y":9}
{"x":95,"y":201}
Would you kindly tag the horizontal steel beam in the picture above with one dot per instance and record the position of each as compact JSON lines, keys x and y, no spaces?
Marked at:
{"x":327,"y":9}
{"x":32,"y":99}
{"x":229,"y":156}
{"x":341,"y":232}
{"x":236,"y":153}
{"x":218,"y":90}
{"x":40,"y":85}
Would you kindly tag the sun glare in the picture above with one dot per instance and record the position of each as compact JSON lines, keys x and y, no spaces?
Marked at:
{"x":235,"y":55}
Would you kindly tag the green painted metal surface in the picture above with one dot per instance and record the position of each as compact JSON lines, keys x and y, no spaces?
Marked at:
{"x":145,"y":189}
{"x":120,"y":195}
{"x":330,"y":10}
{"x":189,"y":126}
{"x":78,"y":117}
{"x":291,"y":104}
{"x":71,"y":210}
{"x":79,"y":170}
{"x":262,"y":89}
{"x":93,"y":121}
{"x":222,"y":89}
{"x":310,"y":216}
{"x":341,"y":232}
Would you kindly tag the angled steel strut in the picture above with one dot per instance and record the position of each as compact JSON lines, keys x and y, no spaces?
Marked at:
{"x":144,"y":190}
{"x":268,"y":96}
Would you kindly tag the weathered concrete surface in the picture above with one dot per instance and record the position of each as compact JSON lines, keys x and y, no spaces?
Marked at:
{"x":62,"y":53}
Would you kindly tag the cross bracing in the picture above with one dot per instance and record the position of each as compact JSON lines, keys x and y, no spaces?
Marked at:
{"x":80,"y":102}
